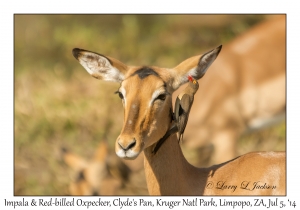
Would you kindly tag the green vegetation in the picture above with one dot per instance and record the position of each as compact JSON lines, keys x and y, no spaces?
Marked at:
{"x":58,"y":104}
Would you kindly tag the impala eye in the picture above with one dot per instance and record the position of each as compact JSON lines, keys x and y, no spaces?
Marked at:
{"x":162,"y":97}
{"x":120,"y":94}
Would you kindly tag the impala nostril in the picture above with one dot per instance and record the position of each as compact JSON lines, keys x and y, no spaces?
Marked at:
{"x":120,"y":144}
{"x":131,"y":144}
{"x":127,"y":146}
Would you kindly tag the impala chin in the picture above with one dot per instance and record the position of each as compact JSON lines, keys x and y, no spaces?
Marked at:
{"x":130,"y":154}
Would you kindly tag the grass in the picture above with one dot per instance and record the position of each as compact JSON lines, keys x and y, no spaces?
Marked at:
{"x":58,"y":104}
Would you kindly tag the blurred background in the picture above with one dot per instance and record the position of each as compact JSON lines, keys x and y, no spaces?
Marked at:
{"x":59,"y":105}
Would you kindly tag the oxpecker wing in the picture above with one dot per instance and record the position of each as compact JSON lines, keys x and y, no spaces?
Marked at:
{"x":183,"y":106}
{"x":182,"y":109}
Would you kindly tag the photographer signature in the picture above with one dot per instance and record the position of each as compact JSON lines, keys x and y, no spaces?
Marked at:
{"x":245,"y":185}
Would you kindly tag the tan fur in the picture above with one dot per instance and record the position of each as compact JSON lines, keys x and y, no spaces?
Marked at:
{"x":244,"y":90}
{"x":136,"y":111}
{"x":167,"y":171}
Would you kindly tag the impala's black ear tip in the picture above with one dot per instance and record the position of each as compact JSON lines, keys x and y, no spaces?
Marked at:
{"x":219,"y":49}
{"x":76,"y":52}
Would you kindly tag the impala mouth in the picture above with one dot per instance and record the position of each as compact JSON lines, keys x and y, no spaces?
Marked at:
{"x":127,"y":154}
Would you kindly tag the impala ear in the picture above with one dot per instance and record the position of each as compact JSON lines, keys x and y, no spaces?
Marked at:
{"x":101,"y":152}
{"x":195,"y":66}
{"x":99,"y":66}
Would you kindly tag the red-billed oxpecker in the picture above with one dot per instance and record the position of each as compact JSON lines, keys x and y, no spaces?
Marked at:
{"x":183,"y":104}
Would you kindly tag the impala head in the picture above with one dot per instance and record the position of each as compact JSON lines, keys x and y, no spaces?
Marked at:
{"x":103,"y":174}
{"x":146,"y":94}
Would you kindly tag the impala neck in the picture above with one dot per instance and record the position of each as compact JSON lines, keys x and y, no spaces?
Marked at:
{"x":168,"y":172}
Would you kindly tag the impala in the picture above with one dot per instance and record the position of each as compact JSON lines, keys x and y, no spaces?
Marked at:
{"x":243,"y":91}
{"x":146,"y":94}
{"x":104,"y":174}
